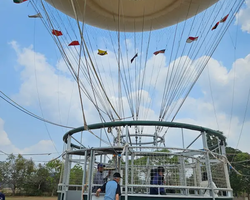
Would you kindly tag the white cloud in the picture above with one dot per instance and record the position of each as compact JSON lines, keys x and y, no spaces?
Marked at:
{"x":243,"y":17}
{"x":42,"y":85}
{"x":202,"y":114}
{"x":227,"y":85}
{"x":3,"y":135}
{"x":58,"y":97}
{"x":43,"y":146}
{"x":222,"y":113}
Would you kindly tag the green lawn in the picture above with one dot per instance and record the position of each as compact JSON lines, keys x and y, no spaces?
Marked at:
{"x":30,"y":198}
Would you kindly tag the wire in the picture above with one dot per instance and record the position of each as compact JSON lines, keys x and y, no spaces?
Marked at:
{"x":28,"y":154}
{"x":4,"y":152}
{"x":212,"y":97}
{"x":19,"y":107}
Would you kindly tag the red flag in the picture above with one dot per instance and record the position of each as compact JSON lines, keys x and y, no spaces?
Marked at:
{"x":224,"y":18}
{"x":161,"y":51}
{"x":74,"y":43}
{"x":215,"y":26}
{"x":191,"y":39}
{"x":56,"y":32}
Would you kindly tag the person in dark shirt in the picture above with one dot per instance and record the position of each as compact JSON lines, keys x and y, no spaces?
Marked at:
{"x":157,"y":179}
{"x":204,"y":183}
{"x":98,"y":178}
{"x":2,"y":196}
{"x":112,"y":188}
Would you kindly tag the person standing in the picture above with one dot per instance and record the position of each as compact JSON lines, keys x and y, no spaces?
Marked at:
{"x":2,"y":196}
{"x":204,"y":183}
{"x":111,"y":188}
{"x":157,"y":179}
{"x":98,"y":178}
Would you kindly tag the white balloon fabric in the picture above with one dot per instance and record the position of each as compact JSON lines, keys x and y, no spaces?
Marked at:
{"x":131,"y":15}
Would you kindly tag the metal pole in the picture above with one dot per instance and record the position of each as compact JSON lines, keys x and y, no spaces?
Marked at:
{"x":91,"y":165}
{"x":198,"y":173}
{"x":223,"y":151}
{"x":183,"y":145}
{"x":182,"y":174}
{"x":66,"y":172}
{"x":126,"y":168}
{"x":84,"y":172}
{"x":132,"y":172}
{"x":194,"y":175}
{"x":208,"y":168}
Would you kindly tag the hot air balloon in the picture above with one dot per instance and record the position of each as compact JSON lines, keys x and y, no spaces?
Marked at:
{"x":136,"y":15}
{"x":137,"y":100}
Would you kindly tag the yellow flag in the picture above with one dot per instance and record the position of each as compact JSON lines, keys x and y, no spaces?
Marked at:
{"x":102,"y":53}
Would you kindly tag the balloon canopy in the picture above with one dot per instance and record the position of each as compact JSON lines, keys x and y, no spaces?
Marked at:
{"x":131,"y":15}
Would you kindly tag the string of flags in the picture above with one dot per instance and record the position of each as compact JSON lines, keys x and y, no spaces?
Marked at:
{"x":59,"y":33}
{"x":189,"y":40}
{"x":102,"y":52}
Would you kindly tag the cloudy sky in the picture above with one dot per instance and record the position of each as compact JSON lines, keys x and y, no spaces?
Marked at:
{"x":33,"y":75}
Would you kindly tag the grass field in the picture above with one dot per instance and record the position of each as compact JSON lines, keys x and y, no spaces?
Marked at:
{"x":30,"y":198}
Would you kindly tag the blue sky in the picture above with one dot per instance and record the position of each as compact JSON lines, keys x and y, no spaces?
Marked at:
{"x":24,"y":40}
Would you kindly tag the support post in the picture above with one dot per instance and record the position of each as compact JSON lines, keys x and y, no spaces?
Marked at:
{"x":223,"y":151}
{"x":208,"y":168}
{"x":126,"y":168}
{"x":132,"y":172}
{"x":91,"y":166}
{"x":84,"y":172}
{"x":182,"y":174}
{"x":66,"y":171}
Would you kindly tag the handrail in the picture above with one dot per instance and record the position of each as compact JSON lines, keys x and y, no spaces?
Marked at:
{"x":209,"y":131}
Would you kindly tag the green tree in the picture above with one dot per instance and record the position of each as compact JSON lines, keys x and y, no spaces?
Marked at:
{"x":54,"y":168}
{"x":36,"y":184}
{"x":240,"y":183}
{"x":16,"y":171}
{"x":76,"y":174}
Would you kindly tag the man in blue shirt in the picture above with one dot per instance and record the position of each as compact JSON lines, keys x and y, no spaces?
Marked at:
{"x":2,"y":196}
{"x":157,"y":179}
{"x":112,"y":188}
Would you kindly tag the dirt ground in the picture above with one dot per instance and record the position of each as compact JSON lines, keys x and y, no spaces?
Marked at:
{"x":30,"y":198}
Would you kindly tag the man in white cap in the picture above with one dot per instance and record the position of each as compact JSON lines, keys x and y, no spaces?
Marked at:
{"x":112,"y":188}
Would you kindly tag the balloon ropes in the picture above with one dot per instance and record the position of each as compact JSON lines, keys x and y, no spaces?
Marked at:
{"x":136,"y":59}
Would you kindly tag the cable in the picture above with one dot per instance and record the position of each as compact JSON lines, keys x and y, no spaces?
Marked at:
{"x":19,"y":107}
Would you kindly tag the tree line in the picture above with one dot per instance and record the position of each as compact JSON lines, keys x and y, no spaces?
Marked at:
{"x":239,"y":172}
{"x":23,"y":177}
